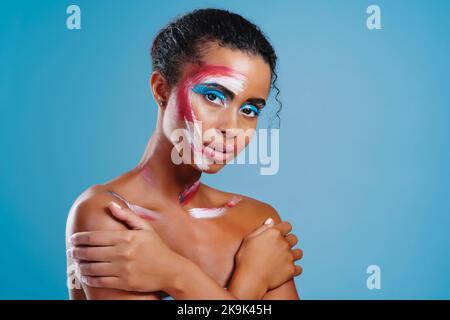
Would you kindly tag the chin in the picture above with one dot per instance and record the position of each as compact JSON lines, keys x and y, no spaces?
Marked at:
{"x":211,"y":169}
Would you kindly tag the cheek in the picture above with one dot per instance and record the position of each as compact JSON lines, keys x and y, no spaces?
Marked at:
{"x":245,"y":137}
{"x":212,"y":118}
{"x":178,"y":110}
{"x":201,"y":111}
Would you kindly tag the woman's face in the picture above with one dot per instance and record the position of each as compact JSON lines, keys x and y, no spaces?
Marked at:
{"x":213,"y":110}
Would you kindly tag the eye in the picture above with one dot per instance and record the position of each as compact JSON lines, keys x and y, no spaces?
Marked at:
{"x":210,"y":94}
{"x":213,"y":97}
{"x":250,"y":110}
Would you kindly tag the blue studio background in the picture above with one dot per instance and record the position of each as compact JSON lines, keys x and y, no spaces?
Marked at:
{"x":364,"y":165}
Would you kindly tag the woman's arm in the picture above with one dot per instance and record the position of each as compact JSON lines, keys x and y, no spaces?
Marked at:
{"x":88,"y":214}
{"x":186,"y":280}
{"x":287,"y":291}
{"x":195,"y":283}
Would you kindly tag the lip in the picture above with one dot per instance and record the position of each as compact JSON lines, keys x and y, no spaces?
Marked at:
{"x":223,"y":148}
{"x":217,"y":154}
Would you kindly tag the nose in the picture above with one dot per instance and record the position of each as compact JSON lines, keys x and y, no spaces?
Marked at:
{"x":229,"y":134}
{"x":228,"y":123}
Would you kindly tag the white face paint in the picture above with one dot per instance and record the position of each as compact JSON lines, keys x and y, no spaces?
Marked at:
{"x":236,"y":85}
{"x":195,"y":140}
{"x":140,"y":211}
{"x":204,"y":213}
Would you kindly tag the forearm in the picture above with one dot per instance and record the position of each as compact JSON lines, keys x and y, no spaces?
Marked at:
{"x":246,"y":286}
{"x":191,"y":283}
{"x":286,"y":291}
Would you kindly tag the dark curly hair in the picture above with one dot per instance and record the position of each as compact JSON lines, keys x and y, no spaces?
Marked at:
{"x":182,"y":41}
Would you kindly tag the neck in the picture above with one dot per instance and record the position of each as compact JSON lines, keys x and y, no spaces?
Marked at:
{"x":157,"y":169}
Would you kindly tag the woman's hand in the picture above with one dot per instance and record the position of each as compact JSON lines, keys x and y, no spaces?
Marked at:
{"x":132,"y":260}
{"x":139,"y":260}
{"x":266,"y":259}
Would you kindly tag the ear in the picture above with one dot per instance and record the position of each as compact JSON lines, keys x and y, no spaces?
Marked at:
{"x":160,"y":88}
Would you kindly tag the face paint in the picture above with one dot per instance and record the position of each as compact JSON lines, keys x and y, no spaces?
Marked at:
{"x":184,"y":197}
{"x":143,"y":212}
{"x":140,"y":211}
{"x":224,"y":76}
{"x":181,"y":110}
{"x":188,"y":193}
{"x":204,"y":213}
{"x":195,"y":140}
{"x":148,"y":176}
{"x":197,"y":81}
{"x":201,"y":213}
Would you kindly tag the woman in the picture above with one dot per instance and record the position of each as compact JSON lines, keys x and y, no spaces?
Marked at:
{"x":157,"y":230}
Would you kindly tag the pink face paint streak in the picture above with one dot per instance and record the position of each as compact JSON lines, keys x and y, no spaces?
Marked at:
{"x":185,"y":196}
{"x":196,"y":142}
{"x":183,"y":102}
{"x":148,"y":176}
{"x":204,"y":213}
{"x":138,"y":210}
{"x":199,"y":74}
{"x":209,"y":74}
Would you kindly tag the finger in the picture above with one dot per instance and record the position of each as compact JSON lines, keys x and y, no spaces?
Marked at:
{"x":267,"y":224}
{"x":297,"y":254}
{"x":99,"y":238}
{"x":102,"y":282}
{"x":298,"y":271}
{"x":97,"y":269}
{"x":127,"y":216}
{"x":284,"y":227}
{"x":291,"y":239}
{"x":101,"y":254}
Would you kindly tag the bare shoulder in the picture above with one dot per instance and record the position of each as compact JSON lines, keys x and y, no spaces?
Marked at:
{"x":260,"y":210}
{"x":254,"y":210}
{"x":89,"y":212}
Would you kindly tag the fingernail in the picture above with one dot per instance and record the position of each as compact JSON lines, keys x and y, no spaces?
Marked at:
{"x":84,"y":279}
{"x":72,"y":240}
{"x":269,"y":221}
{"x":69,"y":252}
{"x":116,"y":205}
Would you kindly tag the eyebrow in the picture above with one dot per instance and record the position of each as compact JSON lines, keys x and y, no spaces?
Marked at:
{"x":256,"y":101}
{"x":227,"y":91}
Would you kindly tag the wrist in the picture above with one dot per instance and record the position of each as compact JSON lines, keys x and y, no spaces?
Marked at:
{"x":246,"y":284}
{"x":178,"y":284}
